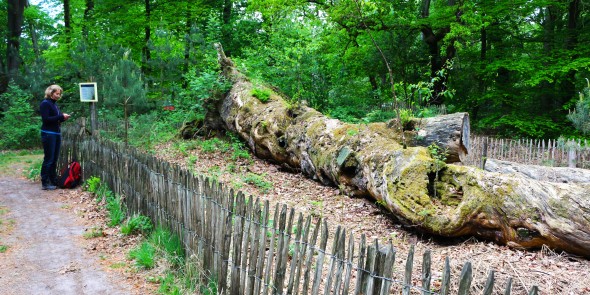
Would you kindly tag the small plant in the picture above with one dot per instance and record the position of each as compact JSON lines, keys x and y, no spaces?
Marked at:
{"x":440,"y":156}
{"x":318,"y":208}
{"x":34,"y":171}
{"x":137,"y":224}
{"x":214,"y":144}
{"x":192,"y":160}
{"x":405,"y":116}
{"x":117,"y":265}
{"x":94,"y":232}
{"x":239,"y":149}
{"x":352,"y":132}
{"x":92,"y":184}
{"x":170,"y":245}
{"x":144,"y":255}
{"x":263,"y":95}
{"x":116,"y":210}
{"x":3,"y":248}
{"x":258,"y":181}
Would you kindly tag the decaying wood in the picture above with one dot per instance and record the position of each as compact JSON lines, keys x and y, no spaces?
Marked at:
{"x":542,"y":173}
{"x":449,"y":132}
{"x":438,"y":198}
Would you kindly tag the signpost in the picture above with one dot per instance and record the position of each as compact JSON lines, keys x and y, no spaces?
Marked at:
{"x":89,"y":93}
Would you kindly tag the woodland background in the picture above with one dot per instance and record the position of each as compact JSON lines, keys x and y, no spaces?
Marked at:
{"x":519,"y":68}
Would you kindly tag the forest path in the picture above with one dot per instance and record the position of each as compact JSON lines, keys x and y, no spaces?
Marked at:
{"x":44,"y":252}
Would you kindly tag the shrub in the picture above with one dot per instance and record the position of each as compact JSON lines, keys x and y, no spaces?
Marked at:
{"x":580,"y":117}
{"x":19,"y":122}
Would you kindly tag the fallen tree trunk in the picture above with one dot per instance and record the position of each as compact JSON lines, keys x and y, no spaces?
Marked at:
{"x":414,"y":184}
{"x":542,"y":173}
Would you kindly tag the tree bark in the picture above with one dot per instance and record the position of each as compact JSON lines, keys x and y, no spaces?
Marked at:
{"x":542,"y":173}
{"x":67,"y":23}
{"x":449,"y":132}
{"x":16,"y":10}
{"x":419,"y":190}
{"x":147,"y":55}
{"x":88,"y":12}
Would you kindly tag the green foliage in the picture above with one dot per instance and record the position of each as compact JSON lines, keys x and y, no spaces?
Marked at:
{"x":116,"y":209}
{"x":580,"y":117}
{"x":203,"y":87}
{"x":170,"y":245}
{"x":18,"y":122}
{"x":214,"y":144}
{"x":137,"y":224}
{"x":262,"y":94}
{"x":144,"y":255}
{"x":92,"y":184}
{"x":34,"y":171}
{"x":94,"y":232}
{"x":379,"y":116}
{"x":258,"y":181}
{"x":239,"y":149}
{"x":438,"y":154}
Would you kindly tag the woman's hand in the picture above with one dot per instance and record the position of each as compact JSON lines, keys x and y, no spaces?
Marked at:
{"x":66,"y":116}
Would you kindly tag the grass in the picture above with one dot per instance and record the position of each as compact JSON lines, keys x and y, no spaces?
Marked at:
{"x":6,"y":225}
{"x":27,"y":160}
{"x":144,"y":255}
{"x":94,"y":232}
{"x":137,"y":224}
{"x":258,"y":181}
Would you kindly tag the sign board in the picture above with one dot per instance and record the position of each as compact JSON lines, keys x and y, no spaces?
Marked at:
{"x":88,"y":92}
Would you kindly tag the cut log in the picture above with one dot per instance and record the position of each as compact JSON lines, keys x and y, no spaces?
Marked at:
{"x":438,"y":198}
{"x":450,"y":132}
{"x":542,"y":173}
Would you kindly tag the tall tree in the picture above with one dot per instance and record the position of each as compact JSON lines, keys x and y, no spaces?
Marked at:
{"x":434,"y":33}
{"x":147,"y":38}
{"x":16,"y":10}
{"x":67,"y":22}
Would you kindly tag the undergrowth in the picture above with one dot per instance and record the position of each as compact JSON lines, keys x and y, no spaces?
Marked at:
{"x":159,"y":248}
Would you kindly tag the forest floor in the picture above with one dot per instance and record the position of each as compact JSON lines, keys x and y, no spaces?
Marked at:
{"x":45,"y":247}
{"x":553,"y":272}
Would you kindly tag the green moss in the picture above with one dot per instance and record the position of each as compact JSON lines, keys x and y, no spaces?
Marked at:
{"x":558,"y":208}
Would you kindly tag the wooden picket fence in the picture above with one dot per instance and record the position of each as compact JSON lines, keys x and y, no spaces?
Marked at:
{"x":246,"y":247}
{"x":529,"y":151}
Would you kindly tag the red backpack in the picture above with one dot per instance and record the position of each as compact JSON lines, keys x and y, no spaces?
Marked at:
{"x":70,"y":176}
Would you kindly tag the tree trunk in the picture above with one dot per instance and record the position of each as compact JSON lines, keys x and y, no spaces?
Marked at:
{"x":67,"y":23}
{"x":147,"y":54}
{"x":88,"y":11}
{"x":449,"y":132}
{"x":368,"y":160}
{"x":16,"y":10}
{"x":542,"y":173}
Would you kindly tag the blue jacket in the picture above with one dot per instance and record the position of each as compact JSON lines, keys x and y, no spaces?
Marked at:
{"x":51,"y":116}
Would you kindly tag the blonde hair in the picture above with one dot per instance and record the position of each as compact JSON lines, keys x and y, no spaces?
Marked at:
{"x":51,"y":89}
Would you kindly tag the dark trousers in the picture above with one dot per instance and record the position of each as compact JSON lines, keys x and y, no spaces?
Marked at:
{"x":51,"y":146}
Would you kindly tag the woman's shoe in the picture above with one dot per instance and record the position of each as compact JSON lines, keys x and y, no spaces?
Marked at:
{"x":48,"y":187}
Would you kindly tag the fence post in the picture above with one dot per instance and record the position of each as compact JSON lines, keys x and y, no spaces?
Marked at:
{"x":465,"y":279}
{"x":408,"y":272}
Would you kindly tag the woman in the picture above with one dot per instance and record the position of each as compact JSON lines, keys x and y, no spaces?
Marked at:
{"x":50,"y":135}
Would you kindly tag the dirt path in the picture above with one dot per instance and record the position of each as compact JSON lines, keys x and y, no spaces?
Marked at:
{"x":45,"y":254}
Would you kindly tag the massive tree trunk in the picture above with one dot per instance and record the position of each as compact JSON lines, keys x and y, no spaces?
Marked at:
{"x":414,"y":184}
